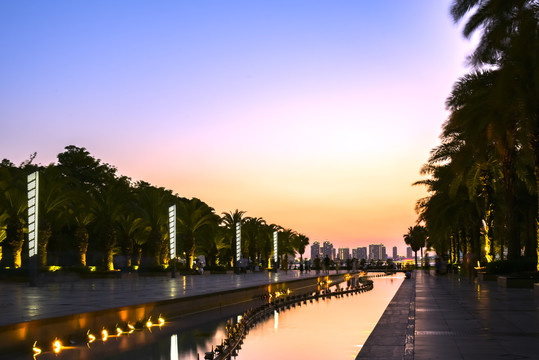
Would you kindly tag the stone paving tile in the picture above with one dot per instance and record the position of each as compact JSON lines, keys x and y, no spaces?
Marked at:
{"x":475,"y":320}
{"x":388,"y":339}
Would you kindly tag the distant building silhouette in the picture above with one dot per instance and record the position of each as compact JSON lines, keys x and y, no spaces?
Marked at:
{"x":395,"y":256}
{"x":315,"y":250}
{"x":359,"y":253}
{"x":344,"y":254}
{"x":327,"y":250}
{"x":377,"y":252}
{"x":409,"y":254}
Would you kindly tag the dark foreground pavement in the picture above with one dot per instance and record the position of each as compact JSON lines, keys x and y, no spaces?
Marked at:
{"x":450,"y":317}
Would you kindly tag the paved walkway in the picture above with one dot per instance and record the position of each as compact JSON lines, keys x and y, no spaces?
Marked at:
{"x":459,"y":319}
{"x":392,"y":337}
{"x":20,"y":302}
{"x":449,"y":317}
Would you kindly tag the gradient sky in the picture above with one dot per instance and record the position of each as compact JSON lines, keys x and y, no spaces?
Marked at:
{"x":315,"y":115}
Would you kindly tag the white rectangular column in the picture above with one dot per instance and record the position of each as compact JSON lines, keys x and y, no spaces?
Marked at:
{"x":275,"y":253}
{"x":33,"y":213}
{"x":238,"y":241}
{"x":172,"y":230}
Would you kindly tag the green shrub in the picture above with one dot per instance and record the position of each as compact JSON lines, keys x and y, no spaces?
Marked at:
{"x":504,"y":267}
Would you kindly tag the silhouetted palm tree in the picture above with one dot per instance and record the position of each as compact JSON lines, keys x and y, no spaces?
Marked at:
{"x":194,"y":217}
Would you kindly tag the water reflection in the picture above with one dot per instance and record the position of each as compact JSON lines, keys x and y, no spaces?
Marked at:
{"x":174,"y":347}
{"x":333,"y":328}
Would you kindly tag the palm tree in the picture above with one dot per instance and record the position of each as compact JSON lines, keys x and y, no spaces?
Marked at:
{"x":110,"y":203}
{"x":252,"y":230}
{"x":130,"y":226}
{"x":482,"y":111}
{"x":299,"y":243}
{"x":229,"y":221}
{"x":56,"y":194}
{"x":194,"y":219}
{"x":153,"y":204}
{"x":14,"y":202}
{"x":80,"y":214}
{"x":285,"y":241}
{"x":416,"y":238}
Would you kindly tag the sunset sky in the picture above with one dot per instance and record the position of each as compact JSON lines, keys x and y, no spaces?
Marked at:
{"x":314,"y":115}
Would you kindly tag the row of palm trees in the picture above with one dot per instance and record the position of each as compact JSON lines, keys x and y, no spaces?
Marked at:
{"x":483,"y":178}
{"x":86,"y":209}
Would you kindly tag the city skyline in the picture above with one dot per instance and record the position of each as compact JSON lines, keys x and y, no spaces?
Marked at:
{"x":311,"y":115}
{"x":329,"y":249}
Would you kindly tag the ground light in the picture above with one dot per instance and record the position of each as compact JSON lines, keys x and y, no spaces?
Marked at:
{"x":104,"y":334}
{"x":36,"y":350}
{"x":56,"y":346}
{"x":91,"y":338}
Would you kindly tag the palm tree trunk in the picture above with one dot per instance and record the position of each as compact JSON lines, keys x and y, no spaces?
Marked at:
{"x":512,"y":236}
{"x":535,"y":145}
{"x":15,"y":239}
{"x":17,"y":262}
{"x":109,"y":263}
{"x":45,"y":233}
{"x":81,"y":236}
{"x":82,"y":258}
{"x":42,"y":252}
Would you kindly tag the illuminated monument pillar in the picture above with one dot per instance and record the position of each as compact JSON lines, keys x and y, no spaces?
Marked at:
{"x":33,"y":216}
{"x":172,"y":230}
{"x":238,"y":244}
{"x":275,"y":252}
{"x":172,"y":236}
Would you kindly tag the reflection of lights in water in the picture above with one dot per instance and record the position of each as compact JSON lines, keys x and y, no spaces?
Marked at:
{"x":36,"y":350}
{"x":174,"y":347}
{"x":276,"y":317}
{"x":91,"y":338}
{"x":56,"y":346}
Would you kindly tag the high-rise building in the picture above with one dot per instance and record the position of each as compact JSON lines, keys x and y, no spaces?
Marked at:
{"x":377,"y":252}
{"x":344,"y":254}
{"x":327,"y":249}
{"x":359,"y":253}
{"x":362,"y":253}
{"x":315,"y":250}
{"x":409,"y":254}
{"x":395,"y":256}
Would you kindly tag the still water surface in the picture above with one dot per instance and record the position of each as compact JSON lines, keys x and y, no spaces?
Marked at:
{"x":333,"y":328}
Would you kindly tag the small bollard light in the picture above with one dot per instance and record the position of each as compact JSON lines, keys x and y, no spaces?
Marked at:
{"x":36,"y":350}
{"x":91,"y":338}
{"x":56,"y":346}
